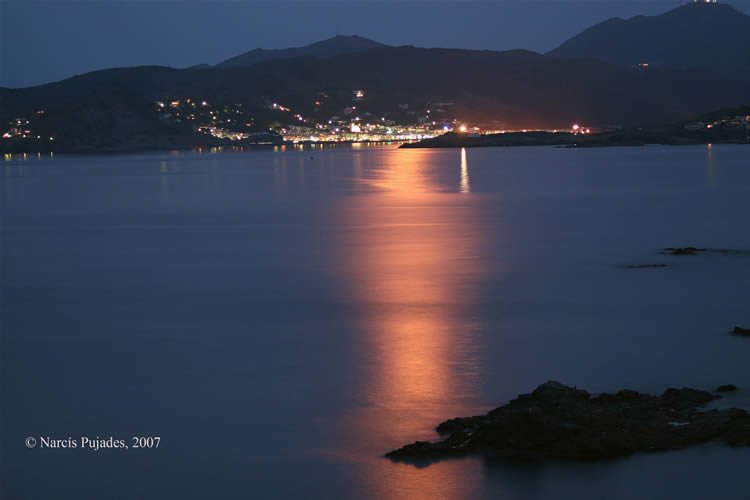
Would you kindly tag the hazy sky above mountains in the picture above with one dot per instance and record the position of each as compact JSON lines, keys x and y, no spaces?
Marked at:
{"x":55,"y":39}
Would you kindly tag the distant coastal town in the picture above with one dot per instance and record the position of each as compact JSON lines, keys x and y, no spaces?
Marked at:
{"x":600,"y":87}
{"x":234,"y":127}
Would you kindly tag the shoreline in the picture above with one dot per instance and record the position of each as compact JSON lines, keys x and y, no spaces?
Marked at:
{"x":288,"y":146}
{"x":561,"y":140}
{"x":623,"y":138}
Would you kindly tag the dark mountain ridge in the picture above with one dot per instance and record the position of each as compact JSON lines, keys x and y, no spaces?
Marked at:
{"x":697,"y":35}
{"x":337,"y":45}
{"x":520,"y":87}
{"x":515,"y":89}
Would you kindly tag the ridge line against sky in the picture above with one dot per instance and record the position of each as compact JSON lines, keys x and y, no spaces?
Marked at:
{"x":44,"y":41}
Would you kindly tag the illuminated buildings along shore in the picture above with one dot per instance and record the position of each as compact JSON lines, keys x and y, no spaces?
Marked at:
{"x":235,"y":126}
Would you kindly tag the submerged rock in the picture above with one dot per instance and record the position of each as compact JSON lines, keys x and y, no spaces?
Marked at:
{"x":684,"y":251}
{"x":726,"y":388}
{"x":562,"y":422}
{"x":679,"y":251}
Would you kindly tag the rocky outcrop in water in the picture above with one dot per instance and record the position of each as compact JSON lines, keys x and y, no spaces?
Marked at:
{"x":556,"y":421}
{"x":726,"y":388}
{"x":681,"y":251}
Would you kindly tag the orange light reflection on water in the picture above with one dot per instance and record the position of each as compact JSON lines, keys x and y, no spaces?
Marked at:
{"x":409,"y":259}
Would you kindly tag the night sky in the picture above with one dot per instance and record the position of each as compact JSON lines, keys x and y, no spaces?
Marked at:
{"x":48,"y":41}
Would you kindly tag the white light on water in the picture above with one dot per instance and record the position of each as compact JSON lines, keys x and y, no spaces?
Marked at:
{"x":465,"y":186}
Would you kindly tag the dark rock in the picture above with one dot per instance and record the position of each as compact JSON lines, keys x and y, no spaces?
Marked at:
{"x":685,"y":398}
{"x":738,"y":433}
{"x":645,"y":266}
{"x":680,"y":251}
{"x":457,"y":425}
{"x":560,"y":422}
{"x":684,"y":251}
{"x":555,"y":392}
{"x":743,"y":332}
{"x":726,"y":388}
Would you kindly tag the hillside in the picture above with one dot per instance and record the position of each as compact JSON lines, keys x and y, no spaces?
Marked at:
{"x":697,"y":35}
{"x":512,"y":89}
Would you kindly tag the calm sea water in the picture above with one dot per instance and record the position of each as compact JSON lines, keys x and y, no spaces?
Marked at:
{"x":282,"y":319}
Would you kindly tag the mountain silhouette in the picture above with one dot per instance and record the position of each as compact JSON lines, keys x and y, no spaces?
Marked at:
{"x":330,"y":47}
{"x":697,"y":35}
{"x":516,"y":89}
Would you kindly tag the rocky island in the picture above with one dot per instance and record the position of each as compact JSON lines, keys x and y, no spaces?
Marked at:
{"x":556,"y":421}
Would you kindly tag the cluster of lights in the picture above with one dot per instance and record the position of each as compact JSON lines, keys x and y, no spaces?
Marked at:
{"x":208,"y":120}
{"x":20,"y":129}
{"x":464,"y":129}
{"x":357,"y":132}
{"x":221,"y":133}
{"x":735,"y":122}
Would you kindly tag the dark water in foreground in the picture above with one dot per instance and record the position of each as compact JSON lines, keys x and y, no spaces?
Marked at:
{"x":280,"y":321}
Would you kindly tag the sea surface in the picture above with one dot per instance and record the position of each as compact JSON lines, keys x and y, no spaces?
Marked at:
{"x":280,"y":319}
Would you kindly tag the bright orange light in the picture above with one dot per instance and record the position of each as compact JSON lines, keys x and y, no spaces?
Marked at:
{"x":462,"y":128}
